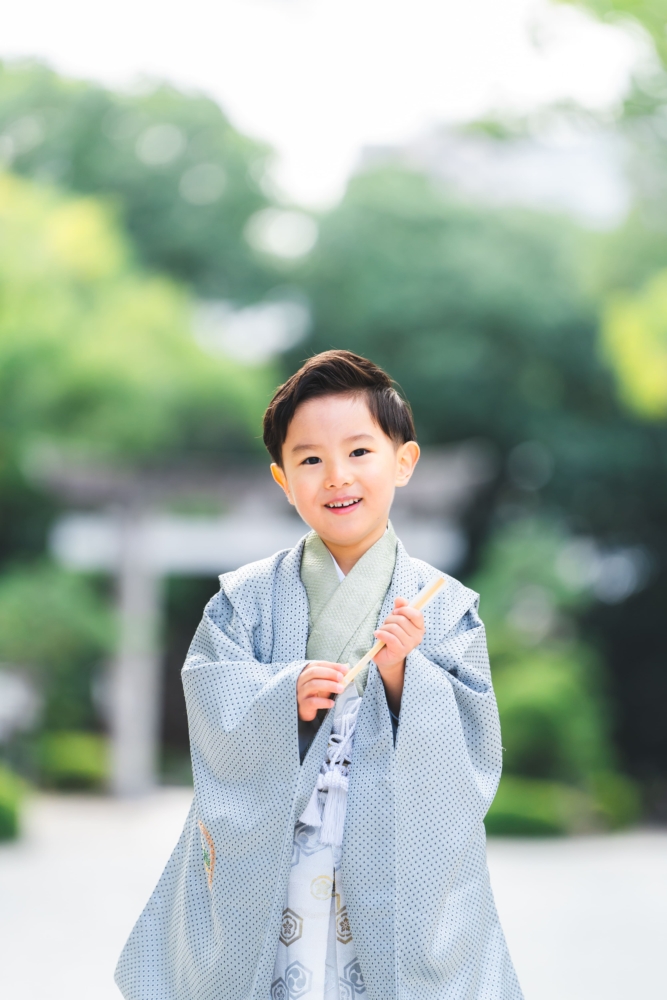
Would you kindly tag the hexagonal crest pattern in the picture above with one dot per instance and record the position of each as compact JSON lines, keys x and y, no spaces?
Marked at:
{"x":343,"y":932}
{"x":352,"y":974}
{"x":291,"y":927}
{"x":298,"y":979}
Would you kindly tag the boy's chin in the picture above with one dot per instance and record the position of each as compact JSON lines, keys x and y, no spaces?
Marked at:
{"x":345,"y":531}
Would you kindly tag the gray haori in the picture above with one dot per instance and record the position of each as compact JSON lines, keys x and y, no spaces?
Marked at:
{"x":419,"y":906}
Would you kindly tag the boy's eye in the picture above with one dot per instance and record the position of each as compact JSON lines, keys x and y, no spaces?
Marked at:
{"x":311,"y":460}
{"x":358,"y":452}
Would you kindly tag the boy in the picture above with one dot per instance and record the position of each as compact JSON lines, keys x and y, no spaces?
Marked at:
{"x":341,"y":826}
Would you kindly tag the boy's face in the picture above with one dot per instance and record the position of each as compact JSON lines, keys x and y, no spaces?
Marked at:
{"x":340,"y":469}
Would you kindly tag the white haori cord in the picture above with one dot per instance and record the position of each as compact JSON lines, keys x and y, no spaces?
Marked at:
{"x":334,"y":775}
{"x":333,"y":778}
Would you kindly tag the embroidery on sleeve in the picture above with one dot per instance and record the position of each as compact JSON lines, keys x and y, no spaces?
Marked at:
{"x":208,"y":850}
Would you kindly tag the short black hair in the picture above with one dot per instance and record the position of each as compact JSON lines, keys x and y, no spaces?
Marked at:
{"x":337,"y":373}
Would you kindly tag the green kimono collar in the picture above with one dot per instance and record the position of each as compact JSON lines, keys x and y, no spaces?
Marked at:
{"x":344,"y":614}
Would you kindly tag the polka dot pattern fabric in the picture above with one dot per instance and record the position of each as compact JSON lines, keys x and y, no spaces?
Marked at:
{"x":413,"y":864}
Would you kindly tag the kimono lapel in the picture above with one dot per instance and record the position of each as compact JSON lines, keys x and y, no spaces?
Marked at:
{"x":343,"y":616}
{"x":318,"y":576}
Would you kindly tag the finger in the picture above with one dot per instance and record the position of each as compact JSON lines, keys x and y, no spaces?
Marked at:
{"x":324,"y":688}
{"x":393,"y":644}
{"x":403,"y":623}
{"x":317,"y":703}
{"x":397,"y":629}
{"x":319,"y":674}
{"x":308,"y":709}
{"x":342,"y":668}
{"x":407,"y":614}
{"x":324,"y":673}
{"x":320,"y":702}
{"x":400,"y":602}
{"x":317,"y":687}
{"x":411,"y":613}
{"x":323,"y":669}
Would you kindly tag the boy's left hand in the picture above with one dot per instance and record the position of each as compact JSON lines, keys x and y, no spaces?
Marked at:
{"x":401,"y":631}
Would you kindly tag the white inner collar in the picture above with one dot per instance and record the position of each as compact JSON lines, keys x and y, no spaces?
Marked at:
{"x":341,"y":575}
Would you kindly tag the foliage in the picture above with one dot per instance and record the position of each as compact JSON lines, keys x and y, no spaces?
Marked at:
{"x":73,"y":760}
{"x":481,"y":316}
{"x":651,"y":14}
{"x":55,"y":625}
{"x":95,"y":353}
{"x":634,"y":333}
{"x":460,"y":303}
{"x":489,"y":320}
{"x":551,"y":720}
{"x":525,"y":807}
{"x":559,"y":765}
{"x":488,"y":317}
{"x":531,"y":807}
{"x":455,"y":298}
{"x":184,"y":180}
{"x":11,"y":794}
{"x":98,"y":357}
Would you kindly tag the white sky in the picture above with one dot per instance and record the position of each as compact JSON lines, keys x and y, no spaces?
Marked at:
{"x":319,"y":79}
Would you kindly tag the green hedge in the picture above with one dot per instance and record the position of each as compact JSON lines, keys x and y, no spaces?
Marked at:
{"x":11,"y":793}
{"x":73,"y":760}
{"x":617,"y":799}
{"x":527,"y":807}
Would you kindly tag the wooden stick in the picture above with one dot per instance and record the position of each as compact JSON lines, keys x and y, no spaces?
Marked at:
{"x":420,"y":601}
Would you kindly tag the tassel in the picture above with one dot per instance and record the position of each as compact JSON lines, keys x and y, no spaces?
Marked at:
{"x":333,"y":819}
{"x":333,"y":780}
{"x":311,"y":814}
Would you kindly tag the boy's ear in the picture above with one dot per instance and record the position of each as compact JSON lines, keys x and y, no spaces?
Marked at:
{"x":280,"y":477}
{"x":408,"y":456}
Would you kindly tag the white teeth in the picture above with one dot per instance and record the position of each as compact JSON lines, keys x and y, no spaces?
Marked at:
{"x":343,"y":503}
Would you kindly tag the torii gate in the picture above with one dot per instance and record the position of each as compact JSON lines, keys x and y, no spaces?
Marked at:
{"x":139,"y":544}
{"x":141,"y":547}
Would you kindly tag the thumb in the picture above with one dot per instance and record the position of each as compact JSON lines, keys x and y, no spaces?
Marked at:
{"x":400,"y":602}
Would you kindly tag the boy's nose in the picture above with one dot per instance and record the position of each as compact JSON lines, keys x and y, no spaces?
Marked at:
{"x":338,"y":477}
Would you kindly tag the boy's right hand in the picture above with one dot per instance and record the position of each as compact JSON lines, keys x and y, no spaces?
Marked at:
{"x":317,"y":682}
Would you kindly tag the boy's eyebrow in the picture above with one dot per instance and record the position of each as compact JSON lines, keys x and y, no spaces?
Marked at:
{"x":314,"y":447}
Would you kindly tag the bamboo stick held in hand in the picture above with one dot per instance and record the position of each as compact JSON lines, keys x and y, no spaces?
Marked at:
{"x":419,"y":602}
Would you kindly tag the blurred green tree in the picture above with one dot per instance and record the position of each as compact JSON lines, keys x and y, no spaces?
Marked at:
{"x":98,"y":358}
{"x":633,"y":276}
{"x":651,"y":14}
{"x":560,"y":767}
{"x":183,"y":180}
{"x":489,"y":320}
{"x":484,"y":318}
{"x":547,"y":680}
{"x":634,"y":331}
{"x":59,"y":629}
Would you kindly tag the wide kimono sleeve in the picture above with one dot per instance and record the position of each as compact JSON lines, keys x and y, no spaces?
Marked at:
{"x":449,"y":760}
{"x":414,"y":849}
{"x":204,"y":930}
{"x":449,"y":717}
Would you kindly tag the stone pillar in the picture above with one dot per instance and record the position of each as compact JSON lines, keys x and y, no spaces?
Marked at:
{"x":135,"y":675}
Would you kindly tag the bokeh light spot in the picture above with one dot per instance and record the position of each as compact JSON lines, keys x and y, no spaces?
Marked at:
{"x":282,"y":233}
{"x":530,"y":465}
{"x":160,"y":144}
{"x":203,"y":184}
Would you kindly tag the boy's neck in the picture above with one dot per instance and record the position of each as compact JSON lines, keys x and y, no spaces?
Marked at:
{"x":348,"y":556}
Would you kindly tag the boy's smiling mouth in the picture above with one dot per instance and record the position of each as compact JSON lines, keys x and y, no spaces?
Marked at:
{"x":344,"y":504}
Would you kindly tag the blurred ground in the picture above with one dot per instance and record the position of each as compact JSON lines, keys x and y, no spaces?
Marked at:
{"x":585,"y":917}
